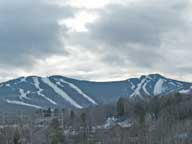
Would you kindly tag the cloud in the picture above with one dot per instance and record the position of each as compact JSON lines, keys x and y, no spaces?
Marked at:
{"x":29,"y":31}
{"x":141,"y":23}
{"x":139,"y":35}
{"x":117,"y":39}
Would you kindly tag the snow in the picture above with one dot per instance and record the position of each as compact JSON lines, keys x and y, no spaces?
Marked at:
{"x":79,"y":91}
{"x":137,"y":90}
{"x":142,"y":86}
{"x":59,"y":83}
{"x":183,"y":135}
{"x":61,"y":93}
{"x":23,"y":95}
{"x":147,"y":80}
{"x":145,"y":84}
{"x":145,"y":89}
{"x":172,"y":83}
{"x":184,"y":91}
{"x":7,"y":85}
{"x":177,"y":84}
{"x":23,"y":79}
{"x":132,"y":85}
{"x":125,"y":124}
{"x":188,"y":92}
{"x":39,"y":92}
{"x":158,"y":87}
{"x":22,"y":103}
{"x":110,"y":122}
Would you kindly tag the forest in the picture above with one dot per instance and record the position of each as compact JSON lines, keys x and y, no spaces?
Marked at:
{"x":155,"y":120}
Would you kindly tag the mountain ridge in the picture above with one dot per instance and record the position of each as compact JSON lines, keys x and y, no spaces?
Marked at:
{"x":62,"y":92}
{"x":136,"y":77}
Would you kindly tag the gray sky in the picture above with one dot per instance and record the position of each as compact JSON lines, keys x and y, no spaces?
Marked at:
{"x":95,"y":39}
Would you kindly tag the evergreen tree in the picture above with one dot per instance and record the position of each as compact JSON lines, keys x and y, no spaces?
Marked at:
{"x":56,"y":112}
{"x":16,"y":137}
{"x":84,"y":139}
{"x":72,"y":115}
{"x":120,"y":108}
{"x":56,"y":133}
{"x":154,"y":107}
{"x":48,"y":112}
{"x":83,"y":117}
{"x":140,"y":112}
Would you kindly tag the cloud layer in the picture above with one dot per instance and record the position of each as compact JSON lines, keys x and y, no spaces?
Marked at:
{"x":138,"y":31}
{"x":29,"y":31}
{"x":123,"y":39}
{"x":147,"y":35}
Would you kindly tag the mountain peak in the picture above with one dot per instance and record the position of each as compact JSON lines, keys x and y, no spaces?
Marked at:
{"x":156,"y":75}
{"x":153,"y":76}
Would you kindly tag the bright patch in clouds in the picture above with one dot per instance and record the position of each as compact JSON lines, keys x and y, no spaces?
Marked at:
{"x":92,"y":4}
{"x":89,"y":4}
{"x":98,"y":4}
{"x":78,"y":23}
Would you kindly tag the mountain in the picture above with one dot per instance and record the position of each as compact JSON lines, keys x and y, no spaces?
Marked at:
{"x":61,"y":92}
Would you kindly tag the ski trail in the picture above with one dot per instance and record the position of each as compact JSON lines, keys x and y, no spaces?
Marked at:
{"x":61,"y":93}
{"x":79,"y":91}
{"x":37,"y":85}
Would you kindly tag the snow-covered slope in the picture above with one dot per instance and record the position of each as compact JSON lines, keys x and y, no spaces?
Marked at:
{"x":186,"y":91}
{"x":61,"y":92}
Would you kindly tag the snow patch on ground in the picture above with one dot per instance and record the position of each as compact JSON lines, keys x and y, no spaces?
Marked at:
{"x":61,"y":93}
{"x":22,"y":103}
{"x":39,"y":92}
{"x":112,"y":121}
{"x":79,"y":91}
{"x":125,"y":124}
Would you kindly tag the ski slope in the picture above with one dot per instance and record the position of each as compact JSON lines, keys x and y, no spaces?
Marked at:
{"x":61,"y":93}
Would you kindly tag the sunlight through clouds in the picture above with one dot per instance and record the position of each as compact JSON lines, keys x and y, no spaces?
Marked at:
{"x":78,"y":23}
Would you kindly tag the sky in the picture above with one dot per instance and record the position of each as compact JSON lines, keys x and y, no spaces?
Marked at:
{"x":99,"y":40}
